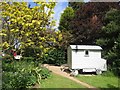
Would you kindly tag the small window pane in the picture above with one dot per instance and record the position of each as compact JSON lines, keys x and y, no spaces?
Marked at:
{"x":86,"y":53}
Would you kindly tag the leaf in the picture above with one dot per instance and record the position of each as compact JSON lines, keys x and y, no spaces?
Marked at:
{"x":3,"y":34}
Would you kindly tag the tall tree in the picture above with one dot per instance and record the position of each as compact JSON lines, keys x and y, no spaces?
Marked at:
{"x":75,"y":5}
{"x":26,"y":26}
{"x":65,"y":19}
{"x":87,"y":22}
{"x":110,"y":39}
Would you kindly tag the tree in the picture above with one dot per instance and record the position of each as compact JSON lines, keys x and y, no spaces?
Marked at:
{"x":85,"y":26}
{"x":65,"y":19}
{"x":110,"y":40}
{"x":28,"y":27}
{"x":75,"y":5}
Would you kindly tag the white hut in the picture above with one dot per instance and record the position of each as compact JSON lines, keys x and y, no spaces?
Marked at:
{"x":86,"y":58}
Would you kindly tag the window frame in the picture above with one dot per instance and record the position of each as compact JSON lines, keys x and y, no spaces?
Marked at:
{"x":86,"y":52}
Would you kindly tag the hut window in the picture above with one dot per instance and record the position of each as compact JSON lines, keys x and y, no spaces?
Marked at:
{"x":86,"y":53}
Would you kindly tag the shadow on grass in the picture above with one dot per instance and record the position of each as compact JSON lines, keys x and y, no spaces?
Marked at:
{"x":110,"y":87}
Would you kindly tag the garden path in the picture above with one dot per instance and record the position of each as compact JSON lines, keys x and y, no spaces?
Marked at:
{"x":57,"y":70}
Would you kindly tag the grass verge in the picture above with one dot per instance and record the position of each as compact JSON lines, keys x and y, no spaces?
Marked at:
{"x":56,"y":81}
{"x":100,"y":81}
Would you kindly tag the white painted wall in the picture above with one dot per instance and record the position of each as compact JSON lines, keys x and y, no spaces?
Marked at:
{"x":78,"y":60}
{"x":92,"y":54}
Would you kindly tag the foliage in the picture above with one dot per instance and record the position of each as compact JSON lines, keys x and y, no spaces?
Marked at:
{"x":108,"y":74}
{"x":45,"y":73}
{"x":24,"y":23}
{"x":18,"y":80}
{"x":111,"y":39}
{"x":85,"y":26}
{"x":100,"y":81}
{"x":18,"y":75}
{"x":7,"y":58}
{"x":31,"y":53}
{"x":25,"y":27}
{"x":55,"y":56}
{"x":22,"y":74}
{"x":75,"y":5}
{"x":27,"y":59}
{"x":65,"y":19}
{"x":66,"y":38}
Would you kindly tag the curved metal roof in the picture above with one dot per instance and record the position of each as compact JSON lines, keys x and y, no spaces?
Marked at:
{"x":88,"y":47}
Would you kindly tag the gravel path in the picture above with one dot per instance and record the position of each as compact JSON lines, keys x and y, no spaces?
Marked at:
{"x":57,"y":70}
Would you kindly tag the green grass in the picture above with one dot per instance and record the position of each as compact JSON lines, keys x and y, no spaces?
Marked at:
{"x":100,"y":81}
{"x":56,"y":81}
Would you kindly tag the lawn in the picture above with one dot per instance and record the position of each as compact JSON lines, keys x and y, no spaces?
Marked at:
{"x":100,"y":81}
{"x":56,"y":81}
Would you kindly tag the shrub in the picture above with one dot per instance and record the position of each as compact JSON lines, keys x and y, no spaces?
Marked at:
{"x":44,"y":73}
{"x":18,"y":74}
{"x":8,"y":78}
{"x":8,"y":67}
{"x":27,"y":58}
{"x":108,"y":73}
{"x":18,"y":80}
{"x":31,"y":52}
{"x":55,"y":56}
{"x":22,"y":74}
{"x":7,"y":58}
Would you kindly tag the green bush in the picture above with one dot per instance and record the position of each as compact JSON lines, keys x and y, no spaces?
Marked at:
{"x":7,"y":58}
{"x":55,"y":56}
{"x":8,"y":67}
{"x":108,"y":73}
{"x":18,"y":74}
{"x":22,"y":74}
{"x":16,"y":66}
{"x":31,"y":59}
{"x":44,"y":73}
{"x":27,"y":58}
{"x":18,"y":80}
{"x":31,"y":52}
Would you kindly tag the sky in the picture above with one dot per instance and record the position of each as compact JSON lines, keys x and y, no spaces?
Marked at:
{"x":59,"y":8}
